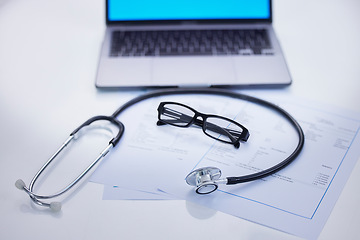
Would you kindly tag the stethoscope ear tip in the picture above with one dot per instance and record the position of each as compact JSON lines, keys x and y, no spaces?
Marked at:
{"x":55,"y":206}
{"x":20,"y":184}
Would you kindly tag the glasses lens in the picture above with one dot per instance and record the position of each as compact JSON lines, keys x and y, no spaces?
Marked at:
{"x":222,"y":129}
{"x":176,"y":115}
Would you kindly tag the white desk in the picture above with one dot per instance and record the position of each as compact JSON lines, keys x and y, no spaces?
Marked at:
{"x":48,"y":58}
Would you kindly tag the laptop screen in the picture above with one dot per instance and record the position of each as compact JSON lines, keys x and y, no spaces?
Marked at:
{"x":170,"y":10}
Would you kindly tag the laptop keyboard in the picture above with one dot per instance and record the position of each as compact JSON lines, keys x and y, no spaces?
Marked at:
{"x":190,"y":42}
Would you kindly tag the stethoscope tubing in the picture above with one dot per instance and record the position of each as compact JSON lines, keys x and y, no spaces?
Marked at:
{"x":162,"y":92}
{"x":227,"y":93}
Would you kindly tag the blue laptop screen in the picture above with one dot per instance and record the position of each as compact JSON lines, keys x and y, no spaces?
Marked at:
{"x":146,"y":10}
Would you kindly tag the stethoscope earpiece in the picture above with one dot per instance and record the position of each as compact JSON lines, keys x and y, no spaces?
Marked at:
{"x":205,"y":179}
{"x":56,"y":206}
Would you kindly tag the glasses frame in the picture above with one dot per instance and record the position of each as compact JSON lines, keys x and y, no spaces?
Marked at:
{"x":244,"y":135}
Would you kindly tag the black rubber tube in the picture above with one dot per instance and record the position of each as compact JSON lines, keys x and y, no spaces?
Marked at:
{"x":227,"y":93}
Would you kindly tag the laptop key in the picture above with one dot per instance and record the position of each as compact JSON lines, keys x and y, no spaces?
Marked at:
{"x":193,"y":53}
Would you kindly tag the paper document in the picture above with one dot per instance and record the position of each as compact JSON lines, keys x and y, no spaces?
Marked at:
{"x":152,"y":161}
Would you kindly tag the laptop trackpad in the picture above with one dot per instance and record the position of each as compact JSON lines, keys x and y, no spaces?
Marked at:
{"x":193,"y":71}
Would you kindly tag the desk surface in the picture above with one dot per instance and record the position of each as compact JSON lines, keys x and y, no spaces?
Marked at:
{"x":49,"y":53}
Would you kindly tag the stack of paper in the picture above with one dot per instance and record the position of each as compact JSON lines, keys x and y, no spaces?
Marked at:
{"x":151,"y":162}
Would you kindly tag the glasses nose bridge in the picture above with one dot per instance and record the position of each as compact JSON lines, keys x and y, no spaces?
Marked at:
{"x":199,"y":119}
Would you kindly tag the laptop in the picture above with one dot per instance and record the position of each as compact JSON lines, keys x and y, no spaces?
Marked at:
{"x":190,"y":43}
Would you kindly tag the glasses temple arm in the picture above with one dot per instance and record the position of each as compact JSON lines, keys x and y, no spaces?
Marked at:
{"x":220,"y":130}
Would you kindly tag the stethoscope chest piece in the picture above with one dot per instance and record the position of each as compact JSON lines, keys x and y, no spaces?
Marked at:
{"x":204,"y":179}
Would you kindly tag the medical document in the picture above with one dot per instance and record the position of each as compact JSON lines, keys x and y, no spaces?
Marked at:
{"x":152,"y":161}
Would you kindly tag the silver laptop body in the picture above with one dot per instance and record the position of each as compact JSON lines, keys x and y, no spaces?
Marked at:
{"x":244,"y":68}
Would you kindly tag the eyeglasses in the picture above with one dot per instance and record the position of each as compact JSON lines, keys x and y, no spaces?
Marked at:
{"x":214,"y":126}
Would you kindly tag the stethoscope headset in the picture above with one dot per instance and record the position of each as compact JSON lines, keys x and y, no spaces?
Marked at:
{"x":205,"y":180}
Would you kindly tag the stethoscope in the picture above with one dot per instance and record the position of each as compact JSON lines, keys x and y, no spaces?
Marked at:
{"x":205,"y":180}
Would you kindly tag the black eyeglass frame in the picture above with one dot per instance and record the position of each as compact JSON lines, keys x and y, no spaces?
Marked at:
{"x":244,"y":135}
